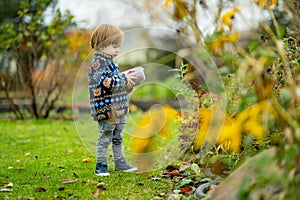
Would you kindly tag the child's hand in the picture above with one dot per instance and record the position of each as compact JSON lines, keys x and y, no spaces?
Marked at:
{"x":130,"y":80}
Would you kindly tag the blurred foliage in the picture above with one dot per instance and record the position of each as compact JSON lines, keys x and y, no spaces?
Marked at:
{"x":261,"y":79}
{"x":35,"y":56}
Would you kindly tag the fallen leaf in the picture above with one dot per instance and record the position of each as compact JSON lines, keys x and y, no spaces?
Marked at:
{"x":40,"y":189}
{"x":99,"y":188}
{"x":9,"y":185}
{"x":183,"y":167}
{"x":157,"y":198}
{"x":68,"y":181}
{"x":27,"y":154}
{"x":10,"y":167}
{"x":186,"y":190}
{"x":174,"y":197}
{"x":174,"y":173}
{"x":162,"y":194}
{"x":93,"y":183}
{"x":155,"y":179}
{"x":87,"y":160}
{"x":21,"y":168}
{"x":5,"y":190}
{"x":46,"y":176}
{"x":102,"y":188}
{"x":95,"y":193}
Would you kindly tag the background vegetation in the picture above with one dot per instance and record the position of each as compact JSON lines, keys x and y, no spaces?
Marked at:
{"x":260,"y":77}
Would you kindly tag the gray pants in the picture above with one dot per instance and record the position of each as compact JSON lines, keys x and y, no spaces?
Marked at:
{"x":110,"y":132}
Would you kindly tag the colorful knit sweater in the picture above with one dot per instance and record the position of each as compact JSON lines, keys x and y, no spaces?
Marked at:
{"x":107,"y":87}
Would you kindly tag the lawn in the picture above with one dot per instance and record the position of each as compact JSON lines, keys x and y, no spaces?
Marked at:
{"x":44,"y":160}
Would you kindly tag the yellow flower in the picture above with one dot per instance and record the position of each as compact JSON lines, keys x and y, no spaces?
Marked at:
{"x":167,"y":2}
{"x":155,"y":122}
{"x":226,"y":18}
{"x":230,"y":136}
{"x":251,"y":119}
{"x":217,"y":46}
{"x":205,"y":118}
{"x":266,"y":3}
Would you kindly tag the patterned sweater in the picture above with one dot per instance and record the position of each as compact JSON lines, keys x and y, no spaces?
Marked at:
{"x":107,"y":87}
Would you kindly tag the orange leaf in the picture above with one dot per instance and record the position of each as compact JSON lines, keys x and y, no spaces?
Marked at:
{"x":174,"y":173}
{"x":87,"y":160}
{"x":186,"y":190}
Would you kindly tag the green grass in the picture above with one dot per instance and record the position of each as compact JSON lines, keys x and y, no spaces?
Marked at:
{"x":37,"y":155}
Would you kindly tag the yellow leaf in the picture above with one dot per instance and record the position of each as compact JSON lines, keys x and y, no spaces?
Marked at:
{"x":226,"y":18}
{"x":87,"y":160}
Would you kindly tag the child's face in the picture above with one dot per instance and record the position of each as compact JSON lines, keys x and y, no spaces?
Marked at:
{"x":112,"y":49}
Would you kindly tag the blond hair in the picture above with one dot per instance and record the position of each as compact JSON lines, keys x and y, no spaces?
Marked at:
{"x":105,"y":35}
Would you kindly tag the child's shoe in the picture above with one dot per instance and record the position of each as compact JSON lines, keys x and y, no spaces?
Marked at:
{"x":121,"y":165}
{"x":101,"y":169}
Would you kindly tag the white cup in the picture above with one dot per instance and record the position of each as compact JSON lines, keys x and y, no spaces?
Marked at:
{"x":138,"y":73}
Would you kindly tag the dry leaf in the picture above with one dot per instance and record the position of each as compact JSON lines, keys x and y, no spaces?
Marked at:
{"x":87,"y":160}
{"x":174,"y":197}
{"x":95,"y":193}
{"x":174,"y":173}
{"x":155,"y":179}
{"x":157,"y":198}
{"x":186,"y":190}
{"x":93,"y":183}
{"x":5,"y":190}
{"x":68,"y":181}
{"x":99,"y":188}
{"x":10,"y":184}
{"x":102,"y":188}
{"x":183,"y":167}
{"x":46,"y":176}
